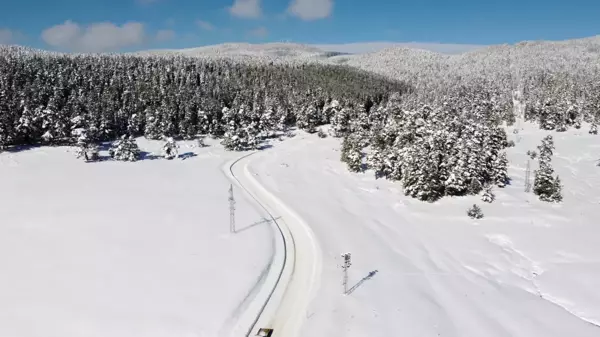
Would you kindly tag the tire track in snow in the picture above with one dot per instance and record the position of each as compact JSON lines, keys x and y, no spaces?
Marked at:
{"x":534,"y":269}
{"x":287,"y":309}
{"x":285,"y":292}
{"x":249,"y":311}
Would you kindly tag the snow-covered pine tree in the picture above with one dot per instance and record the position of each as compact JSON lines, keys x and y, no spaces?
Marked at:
{"x":152,"y":129}
{"x":329,"y":110}
{"x":532,"y":154}
{"x":201,"y":142}
{"x":475,"y":212}
{"x":500,"y":170}
{"x":170,"y":148}
{"x":351,"y":154}
{"x":475,"y":186}
{"x":544,"y":184}
{"x":86,"y":149}
{"x":125,"y":149}
{"x":594,"y":128}
{"x":28,"y":126}
{"x":420,"y":172}
{"x":557,"y":191}
{"x":251,"y":136}
{"x":340,"y":122}
{"x":488,"y":195}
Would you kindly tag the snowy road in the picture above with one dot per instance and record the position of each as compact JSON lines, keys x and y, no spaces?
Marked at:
{"x":286,"y":292}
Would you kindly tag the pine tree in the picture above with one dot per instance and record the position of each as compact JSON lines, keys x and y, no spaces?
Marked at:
{"x":500,"y":170}
{"x":557,"y":190}
{"x":86,"y":149}
{"x":545,"y":186}
{"x":201,"y":142}
{"x":475,"y":187}
{"x":125,"y":149}
{"x":340,"y":122}
{"x":152,"y":130}
{"x":475,"y":212}
{"x":488,"y":195}
{"x":594,"y":129}
{"x":170,"y":148}
{"x":351,"y":154}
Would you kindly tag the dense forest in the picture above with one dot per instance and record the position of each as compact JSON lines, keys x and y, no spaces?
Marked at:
{"x":437,"y":140}
{"x":44,"y":97}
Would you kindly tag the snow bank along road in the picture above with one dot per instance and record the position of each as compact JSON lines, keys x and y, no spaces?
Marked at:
{"x":282,"y":302}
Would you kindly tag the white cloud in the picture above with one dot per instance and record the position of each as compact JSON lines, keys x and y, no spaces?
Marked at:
{"x":96,"y":37}
{"x":309,"y":10}
{"x":249,"y":9}
{"x":6,"y":36}
{"x":165,"y":35}
{"x":205,"y":25}
{"x":259,"y":32}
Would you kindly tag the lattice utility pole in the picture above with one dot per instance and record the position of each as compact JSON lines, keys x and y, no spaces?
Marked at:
{"x":528,"y":177}
{"x":345,"y":266}
{"x":231,"y":210}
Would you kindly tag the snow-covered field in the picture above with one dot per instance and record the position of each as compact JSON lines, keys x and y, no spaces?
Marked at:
{"x":528,"y":268}
{"x":124,"y":249}
{"x":143,"y":249}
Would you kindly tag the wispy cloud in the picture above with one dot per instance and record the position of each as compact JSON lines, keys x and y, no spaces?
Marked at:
{"x":165,"y":35}
{"x":7,"y":36}
{"x":260,"y":32}
{"x":249,"y":9}
{"x":309,"y":10}
{"x":205,"y":25}
{"x":96,"y":37}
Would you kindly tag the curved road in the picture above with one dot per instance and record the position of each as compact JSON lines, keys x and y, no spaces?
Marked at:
{"x":294,"y":273}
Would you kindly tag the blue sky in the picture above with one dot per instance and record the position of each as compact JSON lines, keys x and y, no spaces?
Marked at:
{"x":112,"y":25}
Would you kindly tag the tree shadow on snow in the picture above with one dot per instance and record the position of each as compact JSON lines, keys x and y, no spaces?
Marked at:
{"x":264,"y":147}
{"x":105,"y":146}
{"x":364,"y":279}
{"x":20,"y":148}
{"x":187,"y":155}
{"x":148,"y":156}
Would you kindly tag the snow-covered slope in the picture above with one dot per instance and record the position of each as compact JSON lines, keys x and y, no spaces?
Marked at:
{"x":528,"y":268}
{"x":124,"y":249}
{"x":498,"y":62}
{"x":268,"y":52}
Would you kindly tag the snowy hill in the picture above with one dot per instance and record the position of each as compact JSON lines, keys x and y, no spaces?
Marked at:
{"x":498,"y":62}
{"x":528,"y":268}
{"x":143,"y":248}
{"x":268,"y":52}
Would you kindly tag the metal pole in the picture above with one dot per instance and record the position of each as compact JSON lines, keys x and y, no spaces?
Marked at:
{"x":231,"y":210}
{"x":345,"y":266}
{"x":528,"y":177}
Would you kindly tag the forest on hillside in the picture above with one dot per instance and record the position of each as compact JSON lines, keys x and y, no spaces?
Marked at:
{"x":436,"y":140}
